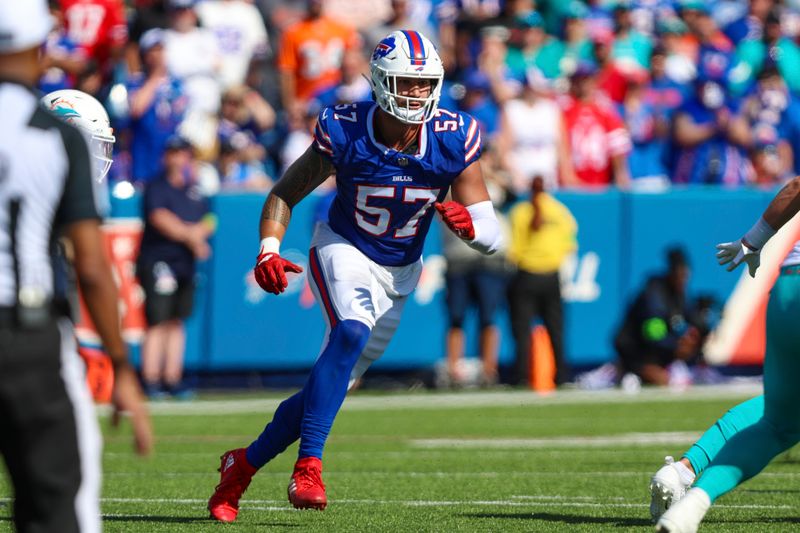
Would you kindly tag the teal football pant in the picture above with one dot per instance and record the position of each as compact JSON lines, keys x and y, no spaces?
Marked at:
{"x":735,"y":420}
{"x":744,"y":441}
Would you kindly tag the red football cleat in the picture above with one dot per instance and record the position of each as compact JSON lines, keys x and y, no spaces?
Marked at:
{"x":306,"y":489}
{"x":235,"y":476}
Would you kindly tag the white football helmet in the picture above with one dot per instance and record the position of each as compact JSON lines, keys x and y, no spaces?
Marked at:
{"x":406,"y":54}
{"x":89,"y":115}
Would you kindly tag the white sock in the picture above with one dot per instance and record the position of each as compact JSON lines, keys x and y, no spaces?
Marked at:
{"x":701,"y":497}
{"x":686,"y":475}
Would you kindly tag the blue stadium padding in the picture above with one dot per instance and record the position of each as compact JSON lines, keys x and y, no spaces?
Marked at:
{"x":622,"y":235}
{"x":248,"y":328}
{"x":126,"y":207}
{"x":697,"y":219}
{"x":197,"y":331}
{"x":590,"y":316}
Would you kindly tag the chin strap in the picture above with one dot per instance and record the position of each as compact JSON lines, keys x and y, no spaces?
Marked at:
{"x":488,"y":237}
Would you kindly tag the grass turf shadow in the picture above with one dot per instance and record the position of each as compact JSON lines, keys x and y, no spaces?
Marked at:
{"x":565,"y":518}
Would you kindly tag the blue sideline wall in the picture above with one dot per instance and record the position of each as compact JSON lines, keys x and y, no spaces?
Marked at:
{"x":622,"y":239}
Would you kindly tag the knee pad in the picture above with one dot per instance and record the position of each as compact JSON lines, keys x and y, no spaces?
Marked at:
{"x":350,"y":336}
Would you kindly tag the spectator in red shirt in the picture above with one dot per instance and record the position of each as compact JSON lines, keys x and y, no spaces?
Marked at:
{"x":598,"y":140}
{"x":99,"y":27}
{"x":310,"y":55}
{"x":704,"y":35}
{"x":610,"y":79}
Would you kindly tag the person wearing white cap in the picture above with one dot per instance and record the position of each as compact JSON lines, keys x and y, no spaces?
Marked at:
{"x":157,"y":106}
{"x":49,"y":437}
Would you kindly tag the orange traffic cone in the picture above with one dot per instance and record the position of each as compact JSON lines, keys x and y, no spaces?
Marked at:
{"x":542,"y":362}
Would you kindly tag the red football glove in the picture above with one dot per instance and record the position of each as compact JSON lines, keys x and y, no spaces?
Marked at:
{"x":457,"y":219}
{"x":270,"y":272}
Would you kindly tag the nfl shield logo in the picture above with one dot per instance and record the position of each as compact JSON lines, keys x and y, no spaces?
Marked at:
{"x":402,"y":161}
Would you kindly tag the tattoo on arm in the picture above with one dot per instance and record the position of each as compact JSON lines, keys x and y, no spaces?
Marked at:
{"x":302,"y":177}
{"x":276,"y":209}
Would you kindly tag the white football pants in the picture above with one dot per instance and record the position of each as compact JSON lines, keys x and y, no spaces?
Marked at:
{"x":350,"y":286}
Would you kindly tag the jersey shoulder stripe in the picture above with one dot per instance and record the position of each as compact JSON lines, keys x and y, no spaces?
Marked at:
{"x":467,"y":132}
{"x":338,"y":126}
{"x":473,"y":142}
{"x":322,"y":141}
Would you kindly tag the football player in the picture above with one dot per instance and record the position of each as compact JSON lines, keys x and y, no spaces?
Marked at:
{"x":395,"y":159}
{"x":88,"y":115}
{"x":740,"y":444}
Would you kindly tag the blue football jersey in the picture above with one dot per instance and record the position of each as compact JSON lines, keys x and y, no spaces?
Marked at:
{"x":384,"y":198}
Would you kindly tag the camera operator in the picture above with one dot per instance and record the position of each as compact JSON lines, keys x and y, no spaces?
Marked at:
{"x":662,"y":333}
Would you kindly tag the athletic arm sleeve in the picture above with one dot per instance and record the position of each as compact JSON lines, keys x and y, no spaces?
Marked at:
{"x":488,"y":237}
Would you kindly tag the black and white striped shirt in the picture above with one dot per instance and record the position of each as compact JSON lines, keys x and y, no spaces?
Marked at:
{"x":45,"y":184}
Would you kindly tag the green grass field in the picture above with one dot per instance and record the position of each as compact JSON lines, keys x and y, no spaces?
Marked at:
{"x":508,"y":461}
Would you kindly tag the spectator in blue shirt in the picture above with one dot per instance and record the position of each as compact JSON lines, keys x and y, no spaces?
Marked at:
{"x":237,"y":170}
{"x":176,"y":232}
{"x":157,"y":106}
{"x":244,"y":118}
{"x":711,"y":137}
{"x":62,"y":58}
{"x":751,"y":24}
{"x":772,"y":112}
{"x":665,"y":93}
{"x":790,"y":130}
{"x":649,"y":131}
{"x":666,"y":96}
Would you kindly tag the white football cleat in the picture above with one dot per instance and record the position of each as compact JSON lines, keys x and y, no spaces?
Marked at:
{"x":685,"y":516}
{"x":666,"y":488}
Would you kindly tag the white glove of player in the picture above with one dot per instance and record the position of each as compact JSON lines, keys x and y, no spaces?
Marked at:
{"x":737,"y":252}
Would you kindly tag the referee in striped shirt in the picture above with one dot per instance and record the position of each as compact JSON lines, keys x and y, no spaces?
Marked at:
{"x":49,"y":436}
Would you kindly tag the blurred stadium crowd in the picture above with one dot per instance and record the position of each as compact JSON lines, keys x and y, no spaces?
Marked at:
{"x":632,"y":93}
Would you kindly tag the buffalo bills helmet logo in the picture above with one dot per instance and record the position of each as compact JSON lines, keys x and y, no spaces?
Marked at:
{"x":384,"y":48}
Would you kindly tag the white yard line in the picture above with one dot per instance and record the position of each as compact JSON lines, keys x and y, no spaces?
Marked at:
{"x":531,"y":501}
{"x":623,"y":439}
{"x":455,"y":400}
